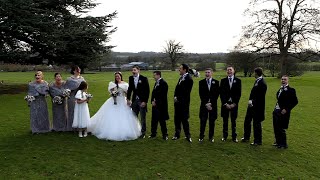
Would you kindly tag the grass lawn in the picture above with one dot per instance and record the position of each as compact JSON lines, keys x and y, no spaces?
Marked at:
{"x":65,"y":156}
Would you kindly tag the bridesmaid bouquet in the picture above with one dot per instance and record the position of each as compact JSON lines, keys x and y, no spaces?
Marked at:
{"x":57,"y":100}
{"x":29,"y":99}
{"x":66,"y":93}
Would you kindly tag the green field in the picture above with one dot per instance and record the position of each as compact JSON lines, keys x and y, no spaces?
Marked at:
{"x":65,"y":156}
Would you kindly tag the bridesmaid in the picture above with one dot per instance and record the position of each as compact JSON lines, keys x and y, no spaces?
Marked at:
{"x":56,"y":90}
{"x":39,"y":116}
{"x":72,"y":83}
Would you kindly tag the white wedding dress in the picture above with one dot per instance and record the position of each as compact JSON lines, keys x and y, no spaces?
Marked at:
{"x":115,"y":122}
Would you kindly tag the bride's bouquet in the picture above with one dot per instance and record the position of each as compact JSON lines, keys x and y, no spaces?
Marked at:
{"x":29,"y":99}
{"x":57,"y":100}
{"x":66,"y":93}
{"x":114,"y":94}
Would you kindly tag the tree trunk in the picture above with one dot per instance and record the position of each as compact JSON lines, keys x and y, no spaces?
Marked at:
{"x":173,"y":65}
{"x":283,"y":64}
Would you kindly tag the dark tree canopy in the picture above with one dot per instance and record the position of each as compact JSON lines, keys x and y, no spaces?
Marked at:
{"x":174,"y":51}
{"x":284,"y":27}
{"x":55,"y":30}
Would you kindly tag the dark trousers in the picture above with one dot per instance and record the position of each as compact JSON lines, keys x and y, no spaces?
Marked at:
{"x":233,"y":115}
{"x":136,"y":108}
{"x":279,"y":131}
{"x":204,"y":114}
{"x":181,"y":116}
{"x":154,"y":123}
{"x":257,"y":127}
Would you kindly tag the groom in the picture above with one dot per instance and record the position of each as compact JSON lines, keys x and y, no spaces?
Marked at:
{"x":139,"y":85}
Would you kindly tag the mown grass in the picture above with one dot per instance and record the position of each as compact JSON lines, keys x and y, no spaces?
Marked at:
{"x":65,"y":156}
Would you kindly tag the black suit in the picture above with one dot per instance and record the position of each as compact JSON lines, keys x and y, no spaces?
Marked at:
{"x":256,"y":112}
{"x":230,"y":96}
{"x":160,"y":111}
{"x":140,"y":94}
{"x":286,"y":99}
{"x":208,"y":96}
{"x":181,"y":106}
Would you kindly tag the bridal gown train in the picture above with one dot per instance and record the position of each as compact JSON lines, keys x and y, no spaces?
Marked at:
{"x":115,"y":122}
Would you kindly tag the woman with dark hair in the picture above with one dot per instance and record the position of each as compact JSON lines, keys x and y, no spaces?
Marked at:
{"x":72,"y":83}
{"x":59,"y":97}
{"x":115,"y":120}
{"x":39,"y":116}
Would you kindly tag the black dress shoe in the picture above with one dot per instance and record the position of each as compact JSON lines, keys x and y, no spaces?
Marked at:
{"x":275,"y":144}
{"x":175,"y":138}
{"x":235,"y":140}
{"x":223,"y":139}
{"x":256,"y":144}
{"x":151,"y":136}
{"x":200,"y":139}
{"x":143,"y":136}
{"x":282,"y":147}
{"x":165,"y":138}
{"x":189,"y":140}
{"x":244,"y":140}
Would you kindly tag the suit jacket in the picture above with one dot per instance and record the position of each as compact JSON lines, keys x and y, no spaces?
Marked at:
{"x":142,"y":90}
{"x":258,"y":97}
{"x":226,"y":93}
{"x":182,"y":92}
{"x":160,"y":95}
{"x":207,"y":95}
{"x":286,"y":100}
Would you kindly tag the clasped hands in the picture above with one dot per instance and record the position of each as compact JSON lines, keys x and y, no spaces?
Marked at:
{"x":230,"y":106}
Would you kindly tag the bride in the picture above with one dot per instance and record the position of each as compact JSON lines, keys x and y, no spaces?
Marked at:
{"x":115,"y":120}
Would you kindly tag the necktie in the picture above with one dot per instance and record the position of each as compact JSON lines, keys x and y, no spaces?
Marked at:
{"x":208,"y":83}
{"x":230,"y":82}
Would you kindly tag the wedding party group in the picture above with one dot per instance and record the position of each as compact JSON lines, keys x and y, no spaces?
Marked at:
{"x":117,"y":119}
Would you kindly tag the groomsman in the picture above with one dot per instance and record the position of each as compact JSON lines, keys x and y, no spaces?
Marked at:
{"x":159,"y":103}
{"x":256,"y":109}
{"x":139,"y":87}
{"x":182,"y":103}
{"x":209,"y":93}
{"x":286,"y":101}
{"x":230,"y":94}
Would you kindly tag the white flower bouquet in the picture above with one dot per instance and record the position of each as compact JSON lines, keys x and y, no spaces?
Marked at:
{"x":66,"y":93}
{"x":57,"y":100}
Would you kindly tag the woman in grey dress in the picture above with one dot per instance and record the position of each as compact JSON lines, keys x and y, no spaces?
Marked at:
{"x":39,"y":116}
{"x":59,"y":97}
{"x":72,"y":83}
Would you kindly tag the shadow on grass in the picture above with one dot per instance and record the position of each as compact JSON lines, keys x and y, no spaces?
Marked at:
{"x":12,"y":88}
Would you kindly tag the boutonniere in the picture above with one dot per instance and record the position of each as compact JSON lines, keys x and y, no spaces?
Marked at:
{"x":256,"y":84}
{"x":285,"y":89}
{"x":234,"y":81}
{"x":139,"y":81}
{"x":213,"y":82}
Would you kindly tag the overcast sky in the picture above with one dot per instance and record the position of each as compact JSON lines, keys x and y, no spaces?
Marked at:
{"x":202,"y":26}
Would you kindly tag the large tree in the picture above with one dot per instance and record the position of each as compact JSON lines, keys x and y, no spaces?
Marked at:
{"x":57,"y":31}
{"x":174,"y":51}
{"x":283,"y":27}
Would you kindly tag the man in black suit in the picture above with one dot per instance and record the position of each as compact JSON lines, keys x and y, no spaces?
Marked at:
{"x":230,"y":94}
{"x":286,"y":101}
{"x":256,"y":109}
{"x":182,"y":103}
{"x":209,"y":93}
{"x":159,"y":103}
{"x":139,"y":85}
